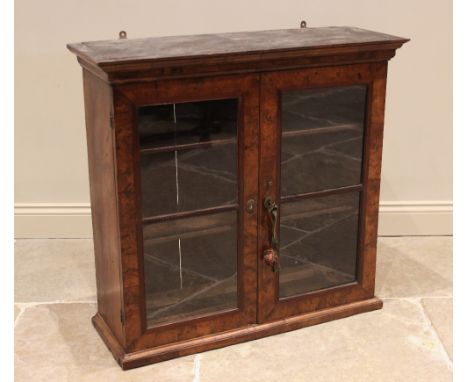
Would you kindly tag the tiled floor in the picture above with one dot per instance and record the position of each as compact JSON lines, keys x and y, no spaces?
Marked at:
{"x":410,"y":339}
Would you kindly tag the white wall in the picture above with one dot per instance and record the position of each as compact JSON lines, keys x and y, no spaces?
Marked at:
{"x":52,"y":198}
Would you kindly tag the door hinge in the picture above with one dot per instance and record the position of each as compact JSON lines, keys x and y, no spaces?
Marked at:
{"x":111,"y":120}
{"x":122,"y":317}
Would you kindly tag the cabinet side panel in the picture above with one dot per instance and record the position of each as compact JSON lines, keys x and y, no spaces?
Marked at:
{"x":371,"y":176}
{"x":98,"y":96}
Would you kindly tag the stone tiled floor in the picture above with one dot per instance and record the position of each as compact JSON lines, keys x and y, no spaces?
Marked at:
{"x":410,"y":339}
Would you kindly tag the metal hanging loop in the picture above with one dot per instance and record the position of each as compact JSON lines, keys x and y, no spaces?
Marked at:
{"x":303,"y":24}
{"x":122,"y":35}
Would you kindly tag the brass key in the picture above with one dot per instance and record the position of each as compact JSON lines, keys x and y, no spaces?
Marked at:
{"x":270,"y":255}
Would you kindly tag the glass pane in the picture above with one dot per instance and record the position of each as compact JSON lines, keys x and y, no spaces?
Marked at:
{"x":318,"y":243}
{"x":322,"y":138}
{"x":184,"y":123}
{"x":190,"y":267}
{"x":176,"y":178}
{"x":188,"y":162}
{"x":185,"y":180}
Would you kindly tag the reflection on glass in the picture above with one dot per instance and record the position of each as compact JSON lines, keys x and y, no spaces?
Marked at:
{"x":188,"y":163}
{"x":186,"y":180}
{"x":175,"y":178}
{"x":184,"y":123}
{"x":190,"y":267}
{"x":318,"y":243}
{"x":322,"y":138}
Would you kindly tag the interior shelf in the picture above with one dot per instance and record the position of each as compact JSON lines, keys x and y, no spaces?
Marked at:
{"x":322,"y":130}
{"x":153,"y":149}
{"x":330,"y":191}
{"x":188,"y":214}
{"x":187,"y":146}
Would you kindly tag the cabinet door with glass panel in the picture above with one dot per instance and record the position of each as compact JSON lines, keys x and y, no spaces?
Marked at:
{"x":196,"y":190}
{"x":315,"y":131}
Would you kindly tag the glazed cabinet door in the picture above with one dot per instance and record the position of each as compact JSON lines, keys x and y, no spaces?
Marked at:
{"x":321,"y":139}
{"x":187,"y":155}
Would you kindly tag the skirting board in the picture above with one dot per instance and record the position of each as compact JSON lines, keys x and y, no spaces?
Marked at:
{"x":73,"y":220}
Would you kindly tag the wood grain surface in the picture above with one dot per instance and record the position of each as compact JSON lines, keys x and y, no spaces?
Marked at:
{"x":253,"y":68}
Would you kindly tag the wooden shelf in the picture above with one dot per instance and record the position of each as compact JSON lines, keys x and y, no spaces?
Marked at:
{"x":188,"y":146}
{"x":148,"y":149}
{"x":331,"y":191}
{"x":187,"y":214}
{"x":321,"y":130}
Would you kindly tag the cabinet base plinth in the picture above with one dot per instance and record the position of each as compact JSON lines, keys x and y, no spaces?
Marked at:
{"x":231,"y":337}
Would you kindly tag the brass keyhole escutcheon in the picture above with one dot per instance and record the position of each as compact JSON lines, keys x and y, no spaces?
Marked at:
{"x":250,"y":206}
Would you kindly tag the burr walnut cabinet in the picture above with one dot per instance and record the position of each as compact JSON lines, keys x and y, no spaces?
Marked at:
{"x":234,"y":184}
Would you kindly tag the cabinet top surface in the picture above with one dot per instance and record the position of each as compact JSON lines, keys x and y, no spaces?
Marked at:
{"x":110,"y":52}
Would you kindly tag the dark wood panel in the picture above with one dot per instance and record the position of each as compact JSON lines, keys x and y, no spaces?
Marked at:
{"x":98,"y":109}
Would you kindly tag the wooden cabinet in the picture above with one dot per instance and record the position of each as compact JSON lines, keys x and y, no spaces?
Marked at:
{"x":234,"y":184}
